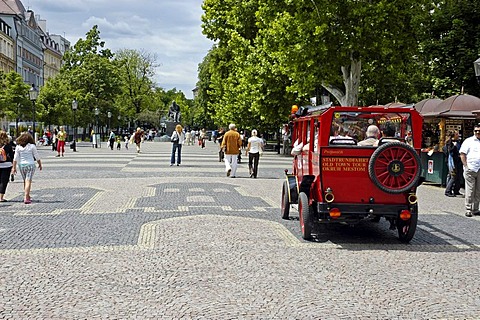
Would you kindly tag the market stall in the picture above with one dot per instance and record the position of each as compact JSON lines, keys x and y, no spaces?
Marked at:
{"x":440,"y":117}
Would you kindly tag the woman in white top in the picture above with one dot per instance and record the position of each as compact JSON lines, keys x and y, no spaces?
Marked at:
{"x":25,"y":156}
{"x":178,"y":139}
{"x":254,"y":149}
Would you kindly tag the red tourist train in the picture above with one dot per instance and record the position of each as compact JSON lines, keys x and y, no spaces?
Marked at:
{"x":339,"y":178}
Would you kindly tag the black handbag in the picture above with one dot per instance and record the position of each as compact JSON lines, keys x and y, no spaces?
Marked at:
{"x":175,"y":138}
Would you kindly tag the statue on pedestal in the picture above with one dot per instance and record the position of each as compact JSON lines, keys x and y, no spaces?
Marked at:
{"x":174,"y":112}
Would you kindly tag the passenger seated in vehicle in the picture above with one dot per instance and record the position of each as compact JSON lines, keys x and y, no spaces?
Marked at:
{"x":371,"y":136}
{"x":339,"y":136}
{"x":388,"y":133}
{"x":306,"y":147}
{"x":297,"y":148}
{"x":334,"y":131}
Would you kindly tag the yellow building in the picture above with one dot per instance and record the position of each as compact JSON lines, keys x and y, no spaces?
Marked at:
{"x":7,"y":48}
{"x":52,"y":62}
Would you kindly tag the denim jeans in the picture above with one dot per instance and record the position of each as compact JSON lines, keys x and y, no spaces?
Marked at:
{"x":175,"y":147}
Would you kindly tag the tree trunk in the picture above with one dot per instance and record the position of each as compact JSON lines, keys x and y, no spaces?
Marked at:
{"x":351,"y":81}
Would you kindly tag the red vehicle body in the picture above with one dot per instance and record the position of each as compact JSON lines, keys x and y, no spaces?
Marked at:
{"x":335,"y":180}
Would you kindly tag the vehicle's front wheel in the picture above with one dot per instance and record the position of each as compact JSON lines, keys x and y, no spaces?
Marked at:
{"x":306,"y":216}
{"x":285,"y":201}
{"x":406,"y":229}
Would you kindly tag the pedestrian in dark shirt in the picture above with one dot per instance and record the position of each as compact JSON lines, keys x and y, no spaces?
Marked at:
{"x":221,"y":154}
{"x":454,"y":164}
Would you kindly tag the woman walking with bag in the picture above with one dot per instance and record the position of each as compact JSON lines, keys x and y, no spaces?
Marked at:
{"x":6,"y":158}
{"x":178,"y":139}
{"x":254,"y":149}
{"x":25,"y":156}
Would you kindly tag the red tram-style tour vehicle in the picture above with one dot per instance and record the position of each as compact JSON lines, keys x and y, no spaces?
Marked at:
{"x":338,"y":179}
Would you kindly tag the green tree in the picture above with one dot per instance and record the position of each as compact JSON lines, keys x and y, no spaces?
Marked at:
{"x":327,"y":43}
{"x":14,"y":102}
{"x":297,"y":47}
{"x":238,"y":82}
{"x":91,"y":77}
{"x":136,"y":70}
{"x":449,"y":47}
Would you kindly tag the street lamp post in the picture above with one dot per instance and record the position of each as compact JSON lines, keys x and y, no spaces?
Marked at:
{"x":74,"y":108}
{"x":33,"y":97}
{"x":109,"y":115}
{"x":97,"y":112}
{"x":476,"y":65}
{"x":17,"y":119}
{"x":119,"y":120}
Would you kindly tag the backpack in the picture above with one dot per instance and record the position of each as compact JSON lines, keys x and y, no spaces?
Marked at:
{"x":3,"y":154}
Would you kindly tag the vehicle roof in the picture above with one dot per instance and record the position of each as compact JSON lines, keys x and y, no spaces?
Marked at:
{"x":319,"y":110}
{"x":329,"y":114}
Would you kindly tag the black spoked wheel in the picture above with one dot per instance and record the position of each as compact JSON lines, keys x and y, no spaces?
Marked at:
{"x":306,"y":216}
{"x":406,"y":229}
{"x":285,"y":201}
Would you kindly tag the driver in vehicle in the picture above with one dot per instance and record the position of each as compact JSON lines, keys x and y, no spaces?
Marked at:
{"x":371,"y":136}
{"x":388,"y":133}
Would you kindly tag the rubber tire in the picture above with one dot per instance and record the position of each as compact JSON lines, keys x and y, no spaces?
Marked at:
{"x":406,"y":235}
{"x":285,"y":201}
{"x":306,"y":216}
{"x":376,"y":154}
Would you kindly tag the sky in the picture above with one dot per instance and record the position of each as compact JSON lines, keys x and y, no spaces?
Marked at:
{"x":170,"y":29}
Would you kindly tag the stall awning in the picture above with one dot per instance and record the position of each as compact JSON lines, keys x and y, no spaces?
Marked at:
{"x":460,"y":105}
{"x":457,"y":114}
{"x":426,"y":107}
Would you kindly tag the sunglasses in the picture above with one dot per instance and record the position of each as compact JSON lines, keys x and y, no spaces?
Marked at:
{"x":476,"y":131}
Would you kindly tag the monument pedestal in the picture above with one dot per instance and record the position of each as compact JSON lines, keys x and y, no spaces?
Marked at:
{"x":170,"y":127}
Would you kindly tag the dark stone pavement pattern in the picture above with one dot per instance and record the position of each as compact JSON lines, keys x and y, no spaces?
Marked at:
{"x":120,"y":235}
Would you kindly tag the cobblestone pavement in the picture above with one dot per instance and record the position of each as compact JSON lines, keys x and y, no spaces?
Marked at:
{"x":120,"y":235}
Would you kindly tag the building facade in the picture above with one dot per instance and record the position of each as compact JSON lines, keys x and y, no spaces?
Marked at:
{"x":29,"y":50}
{"x":7,"y":48}
{"x":26,"y":46}
{"x":54,"y":46}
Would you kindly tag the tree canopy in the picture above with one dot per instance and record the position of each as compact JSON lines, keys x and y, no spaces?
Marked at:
{"x":270,"y":54}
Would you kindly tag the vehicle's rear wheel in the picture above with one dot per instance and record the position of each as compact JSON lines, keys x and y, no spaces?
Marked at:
{"x":406,"y":229}
{"x":285,"y":201}
{"x":395,"y":167}
{"x":306,"y":216}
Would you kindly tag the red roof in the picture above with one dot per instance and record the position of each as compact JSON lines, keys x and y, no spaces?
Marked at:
{"x":12,"y":7}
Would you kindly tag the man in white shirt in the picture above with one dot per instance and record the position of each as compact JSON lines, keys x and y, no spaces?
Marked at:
{"x":470,"y":156}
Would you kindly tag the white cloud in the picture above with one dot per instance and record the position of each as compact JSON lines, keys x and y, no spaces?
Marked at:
{"x":171,"y":29}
